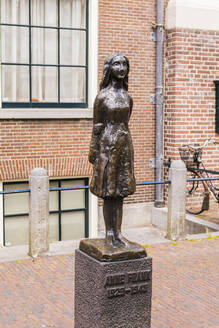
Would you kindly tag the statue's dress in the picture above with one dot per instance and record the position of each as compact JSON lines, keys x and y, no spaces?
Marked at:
{"x":111,"y":148}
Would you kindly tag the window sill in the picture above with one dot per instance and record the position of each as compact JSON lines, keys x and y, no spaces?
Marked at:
{"x":33,"y":113}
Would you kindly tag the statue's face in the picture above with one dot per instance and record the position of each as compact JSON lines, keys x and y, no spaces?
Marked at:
{"x":119,"y":67}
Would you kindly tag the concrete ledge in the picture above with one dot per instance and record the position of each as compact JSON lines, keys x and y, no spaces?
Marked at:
{"x":193,"y":224}
{"x":14,"y":253}
{"x":142,"y":235}
{"x":198,"y":236}
{"x":134,"y":215}
{"x":159,"y":217}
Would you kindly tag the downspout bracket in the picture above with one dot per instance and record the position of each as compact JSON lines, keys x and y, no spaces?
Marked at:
{"x":153,"y":36}
{"x":153,"y":98}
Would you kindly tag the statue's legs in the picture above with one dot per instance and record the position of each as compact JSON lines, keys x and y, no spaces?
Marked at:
{"x":112,"y":212}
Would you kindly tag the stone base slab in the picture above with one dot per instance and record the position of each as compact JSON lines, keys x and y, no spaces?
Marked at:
{"x":102,"y":251}
{"x":112,"y":294}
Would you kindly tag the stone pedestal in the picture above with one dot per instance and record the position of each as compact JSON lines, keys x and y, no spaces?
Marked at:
{"x":112,"y":294}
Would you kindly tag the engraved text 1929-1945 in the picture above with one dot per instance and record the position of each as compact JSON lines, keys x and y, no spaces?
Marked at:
{"x":127,"y":283}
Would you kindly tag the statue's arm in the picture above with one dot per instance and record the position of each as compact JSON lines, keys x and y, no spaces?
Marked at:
{"x":97,"y":128}
{"x":131,"y":106}
{"x":96,"y":117}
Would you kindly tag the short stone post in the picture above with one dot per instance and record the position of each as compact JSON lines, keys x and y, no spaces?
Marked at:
{"x":38,"y":212}
{"x":176,"y":201}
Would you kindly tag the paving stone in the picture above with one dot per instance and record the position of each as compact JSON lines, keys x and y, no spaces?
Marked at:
{"x":185,"y":288}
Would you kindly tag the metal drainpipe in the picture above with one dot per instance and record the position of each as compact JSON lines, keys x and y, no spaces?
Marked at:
{"x":159,"y":102}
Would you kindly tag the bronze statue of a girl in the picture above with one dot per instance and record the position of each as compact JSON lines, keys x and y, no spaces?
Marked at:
{"x":112,"y":156}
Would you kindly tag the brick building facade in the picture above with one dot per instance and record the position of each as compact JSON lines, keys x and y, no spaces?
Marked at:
{"x":192,"y":67}
{"x":58,"y":138}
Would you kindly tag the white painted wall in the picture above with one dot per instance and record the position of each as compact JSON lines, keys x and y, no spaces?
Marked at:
{"x":194,"y":14}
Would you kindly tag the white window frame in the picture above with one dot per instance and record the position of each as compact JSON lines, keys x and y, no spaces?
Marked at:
{"x":63,"y":113}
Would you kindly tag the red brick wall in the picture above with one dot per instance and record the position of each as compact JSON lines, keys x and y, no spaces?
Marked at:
{"x":61,"y":146}
{"x":192,"y":58}
{"x":125,"y":26}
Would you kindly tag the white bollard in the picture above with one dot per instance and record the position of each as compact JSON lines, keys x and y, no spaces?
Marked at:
{"x":177,"y":201}
{"x":39,"y":212}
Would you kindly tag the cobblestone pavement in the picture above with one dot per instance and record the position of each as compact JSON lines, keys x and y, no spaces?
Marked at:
{"x":185,"y":288}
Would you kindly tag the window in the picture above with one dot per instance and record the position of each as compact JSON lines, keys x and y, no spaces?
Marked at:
{"x":44,"y":53}
{"x":217,"y":106}
{"x":68,"y":210}
{"x":68,"y":218}
{"x":15,"y":215}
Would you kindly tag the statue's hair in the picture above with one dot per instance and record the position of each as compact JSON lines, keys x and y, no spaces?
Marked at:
{"x":106,"y":79}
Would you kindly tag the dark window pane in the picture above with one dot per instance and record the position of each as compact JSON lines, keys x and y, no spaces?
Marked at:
{"x":73,"y":13}
{"x":44,"y":84}
{"x":15,"y":83}
{"x":73,"y":86}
